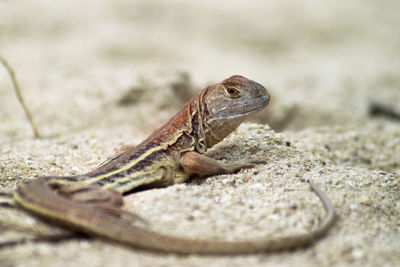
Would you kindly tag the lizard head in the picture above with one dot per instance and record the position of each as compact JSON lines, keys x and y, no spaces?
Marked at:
{"x":236,"y":97}
{"x":231,"y":101}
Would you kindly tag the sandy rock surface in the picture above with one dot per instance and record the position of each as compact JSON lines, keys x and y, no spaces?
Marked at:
{"x":100,"y":75}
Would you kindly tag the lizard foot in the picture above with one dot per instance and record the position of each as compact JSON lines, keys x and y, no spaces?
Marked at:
{"x":107,"y":200}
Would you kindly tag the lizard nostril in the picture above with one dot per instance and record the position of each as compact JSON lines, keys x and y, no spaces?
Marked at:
{"x":262,"y":92}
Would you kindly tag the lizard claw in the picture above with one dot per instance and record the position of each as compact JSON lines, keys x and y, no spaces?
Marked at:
{"x":234,"y":167}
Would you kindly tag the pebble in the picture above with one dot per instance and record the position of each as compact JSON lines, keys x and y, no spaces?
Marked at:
{"x":365,"y":200}
{"x":353,"y":207}
{"x":357,"y":254}
{"x":75,"y":169}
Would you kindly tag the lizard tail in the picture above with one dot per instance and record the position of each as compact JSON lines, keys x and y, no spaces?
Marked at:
{"x":86,"y":219}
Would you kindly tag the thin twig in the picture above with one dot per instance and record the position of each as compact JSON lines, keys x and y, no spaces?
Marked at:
{"x":19,"y":96}
{"x":52,"y":239}
{"x":384,"y":109}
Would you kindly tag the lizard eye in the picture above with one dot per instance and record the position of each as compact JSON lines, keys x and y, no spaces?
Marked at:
{"x":232,"y":92}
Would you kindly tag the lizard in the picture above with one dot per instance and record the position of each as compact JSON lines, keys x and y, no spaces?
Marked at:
{"x":91,"y":203}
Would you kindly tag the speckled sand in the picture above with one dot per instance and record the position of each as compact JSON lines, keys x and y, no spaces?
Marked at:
{"x":323,"y":63}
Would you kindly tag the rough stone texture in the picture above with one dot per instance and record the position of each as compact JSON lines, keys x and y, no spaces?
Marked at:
{"x":323,"y":61}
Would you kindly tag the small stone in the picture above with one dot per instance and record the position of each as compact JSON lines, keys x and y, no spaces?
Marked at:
{"x":225,"y":181}
{"x":357,"y":254}
{"x":365,"y":200}
{"x":353,"y":207}
{"x":92,"y":142}
{"x":74,"y":146}
{"x":75,"y":169}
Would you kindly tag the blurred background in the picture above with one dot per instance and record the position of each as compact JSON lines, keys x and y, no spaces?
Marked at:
{"x":323,"y":61}
{"x":98,"y":75}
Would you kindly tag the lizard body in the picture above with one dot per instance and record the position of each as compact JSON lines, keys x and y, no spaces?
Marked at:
{"x":91,"y":203}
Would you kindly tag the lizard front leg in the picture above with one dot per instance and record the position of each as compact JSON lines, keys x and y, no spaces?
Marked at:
{"x":195,"y":163}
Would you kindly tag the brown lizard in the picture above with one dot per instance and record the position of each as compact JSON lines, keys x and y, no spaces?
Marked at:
{"x":91,"y":203}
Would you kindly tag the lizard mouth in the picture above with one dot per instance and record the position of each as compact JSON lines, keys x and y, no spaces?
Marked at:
{"x":242,"y":109}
